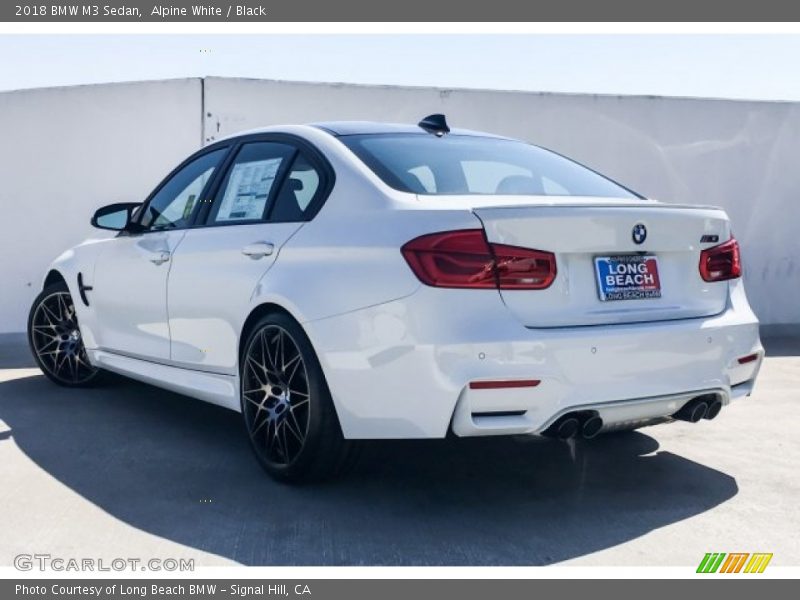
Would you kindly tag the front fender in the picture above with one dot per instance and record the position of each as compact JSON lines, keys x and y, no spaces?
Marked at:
{"x":81,"y":260}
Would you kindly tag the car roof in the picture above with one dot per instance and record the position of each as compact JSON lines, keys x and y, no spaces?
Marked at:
{"x":347,"y":128}
{"x":343,"y":128}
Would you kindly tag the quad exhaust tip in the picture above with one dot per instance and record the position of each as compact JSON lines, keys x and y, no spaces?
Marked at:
{"x":702,"y":407}
{"x":567,"y":428}
{"x":588,"y":424}
{"x":699,"y":408}
{"x":591,"y":427}
{"x":572,"y":424}
{"x":713,"y":409}
{"x":692,"y":411}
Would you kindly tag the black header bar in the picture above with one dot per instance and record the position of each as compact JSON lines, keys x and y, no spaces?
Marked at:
{"x":402,"y":11}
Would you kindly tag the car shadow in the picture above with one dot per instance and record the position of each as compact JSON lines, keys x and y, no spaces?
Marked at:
{"x":14,"y":353}
{"x":181,"y":469}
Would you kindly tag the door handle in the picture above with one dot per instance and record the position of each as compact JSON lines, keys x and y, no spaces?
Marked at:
{"x":158,"y":258}
{"x":258,"y":250}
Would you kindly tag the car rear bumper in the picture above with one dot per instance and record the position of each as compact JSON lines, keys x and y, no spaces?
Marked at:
{"x":615,"y":414}
{"x":403,"y":369}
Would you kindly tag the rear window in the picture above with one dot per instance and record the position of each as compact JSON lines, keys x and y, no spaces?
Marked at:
{"x":461,"y":164}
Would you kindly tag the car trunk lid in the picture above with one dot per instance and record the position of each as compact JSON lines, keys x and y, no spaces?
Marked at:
{"x":594,"y":241}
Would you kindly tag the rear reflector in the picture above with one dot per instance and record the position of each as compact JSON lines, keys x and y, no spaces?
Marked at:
{"x":465,"y":259}
{"x":722,"y":262}
{"x":748,"y":359}
{"x":496,"y":385}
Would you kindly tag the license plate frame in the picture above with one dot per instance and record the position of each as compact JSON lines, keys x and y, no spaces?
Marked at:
{"x":627,"y":277}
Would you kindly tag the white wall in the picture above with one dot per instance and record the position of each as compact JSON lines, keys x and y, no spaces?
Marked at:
{"x":66,"y":151}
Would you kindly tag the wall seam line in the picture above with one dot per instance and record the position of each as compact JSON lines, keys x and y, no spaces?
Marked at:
{"x":202,"y":111}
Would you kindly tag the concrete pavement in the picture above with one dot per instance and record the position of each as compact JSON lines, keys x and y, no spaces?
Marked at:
{"x":129,"y":470}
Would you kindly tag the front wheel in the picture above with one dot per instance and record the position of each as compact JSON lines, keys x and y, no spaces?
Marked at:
{"x":287,"y":408}
{"x":55,"y":338}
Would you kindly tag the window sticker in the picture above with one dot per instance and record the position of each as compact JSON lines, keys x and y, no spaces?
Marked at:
{"x":248,"y":188}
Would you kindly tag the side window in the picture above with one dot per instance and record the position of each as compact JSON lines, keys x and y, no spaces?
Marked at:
{"x":173,"y":204}
{"x":245,"y":193}
{"x":298,"y":190}
{"x":425,"y":176}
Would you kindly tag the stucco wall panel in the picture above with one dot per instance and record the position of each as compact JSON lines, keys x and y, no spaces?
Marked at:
{"x":66,"y":151}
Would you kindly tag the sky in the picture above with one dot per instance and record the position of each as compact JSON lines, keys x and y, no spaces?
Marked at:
{"x":755,"y":67}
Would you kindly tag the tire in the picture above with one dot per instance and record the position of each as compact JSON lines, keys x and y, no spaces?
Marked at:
{"x":287,"y":409}
{"x":55,"y":339}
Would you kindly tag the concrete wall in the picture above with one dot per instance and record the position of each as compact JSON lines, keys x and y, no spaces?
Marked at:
{"x":114,"y":142}
{"x":65,"y":152}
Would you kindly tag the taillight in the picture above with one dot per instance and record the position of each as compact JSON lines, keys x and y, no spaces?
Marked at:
{"x":465,"y":259}
{"x":722,"y":262}
{"x":523,"y":268}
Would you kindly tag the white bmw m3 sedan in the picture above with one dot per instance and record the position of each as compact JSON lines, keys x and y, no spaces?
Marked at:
{"x":351,"y":280}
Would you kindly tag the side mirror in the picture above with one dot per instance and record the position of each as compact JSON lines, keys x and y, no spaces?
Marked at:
{"x":115,"y":217}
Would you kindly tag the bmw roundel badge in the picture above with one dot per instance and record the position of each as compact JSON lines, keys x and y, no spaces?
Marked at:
{"x":639,"y":233}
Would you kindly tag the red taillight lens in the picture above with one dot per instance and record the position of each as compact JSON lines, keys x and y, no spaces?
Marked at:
{"x":460,"y":259}
{"x":464,"y":259}
{"x":523,"y":268}
{"x":722,"y":262}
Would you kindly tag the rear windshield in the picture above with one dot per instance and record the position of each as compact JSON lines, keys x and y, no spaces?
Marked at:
{"x":462,"y":164}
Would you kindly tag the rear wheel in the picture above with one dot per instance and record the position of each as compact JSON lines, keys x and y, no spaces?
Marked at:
{"x":286,"y":405}
{"x":55,"y":338}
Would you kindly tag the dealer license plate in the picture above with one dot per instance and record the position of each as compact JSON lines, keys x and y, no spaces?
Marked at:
{"x":629,"y":277}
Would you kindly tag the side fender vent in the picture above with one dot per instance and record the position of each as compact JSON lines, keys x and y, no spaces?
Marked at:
{"x":82,"y":289}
